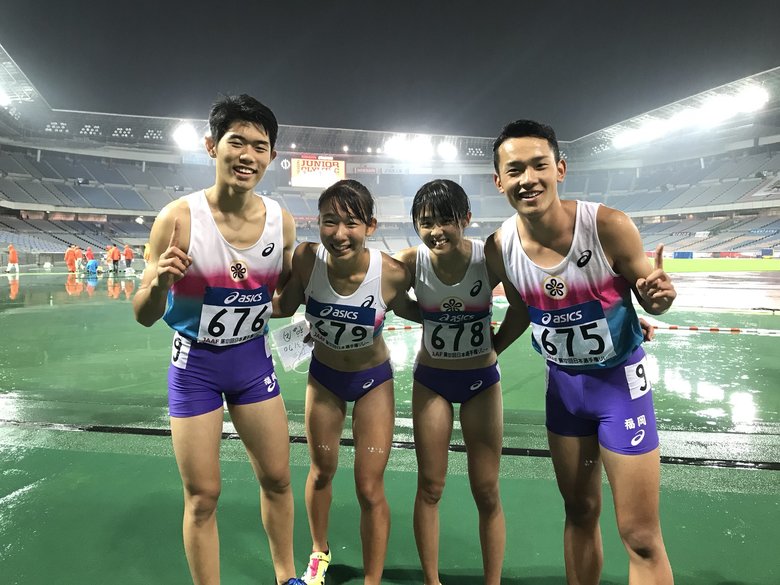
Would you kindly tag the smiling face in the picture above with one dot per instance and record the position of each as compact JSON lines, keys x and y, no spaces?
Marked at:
{"x":528,"y":174}
{"x":441,"y":235}
{"x":343,"y":234}
{"x":242,"y":154}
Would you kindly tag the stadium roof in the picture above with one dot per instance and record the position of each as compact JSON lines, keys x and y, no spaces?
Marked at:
{"x":26,"y":119}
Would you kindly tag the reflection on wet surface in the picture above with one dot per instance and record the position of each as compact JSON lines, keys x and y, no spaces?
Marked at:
{"x":73,"y":354}
{"x":733,"y":290}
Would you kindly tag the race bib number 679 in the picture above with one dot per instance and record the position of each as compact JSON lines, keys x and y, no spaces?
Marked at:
{"x":231,"y":316}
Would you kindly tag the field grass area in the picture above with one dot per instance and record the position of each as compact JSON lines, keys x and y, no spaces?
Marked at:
{"x":673,"y":265}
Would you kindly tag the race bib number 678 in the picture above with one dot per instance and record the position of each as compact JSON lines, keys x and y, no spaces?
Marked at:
{"x":231,"y":316}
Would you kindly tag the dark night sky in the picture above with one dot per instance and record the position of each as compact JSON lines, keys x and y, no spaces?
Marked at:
{"x":426,"y":66}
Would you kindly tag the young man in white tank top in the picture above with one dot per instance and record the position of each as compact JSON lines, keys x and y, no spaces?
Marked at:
{"x":575,"y":266}
{"x":216,"y":257}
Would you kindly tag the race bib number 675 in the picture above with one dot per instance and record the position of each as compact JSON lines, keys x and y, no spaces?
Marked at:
{"x":231,"y":316}
{"x":572,"y":336}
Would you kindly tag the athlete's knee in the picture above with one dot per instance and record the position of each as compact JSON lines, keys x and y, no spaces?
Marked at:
{"x":201,"y":501}
{"x":430,"y":490}
{"x":370,"y":492}
{"x":486,"y":496}
{"x":321,"y":475}
{"x":273,"y":484}
{"x":583,"y":510}
{"x":642,"y":541}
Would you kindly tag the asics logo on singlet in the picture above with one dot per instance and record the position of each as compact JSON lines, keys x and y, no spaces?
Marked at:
{"x":548,"y":318}
{"x":343,"y":313}
{"x":585,"y":258}
{"x":476,"y":385}
{"x":456,"y":318}
{"x":367,"y":384}
{"x":638,"y":438}
{"x":237,"y":297}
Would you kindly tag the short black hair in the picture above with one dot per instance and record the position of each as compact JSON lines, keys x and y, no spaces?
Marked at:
{"x":231,"y":108}
{"x":350,"y":196}
{"x":442,"y":198}
{"x":523,"y":128}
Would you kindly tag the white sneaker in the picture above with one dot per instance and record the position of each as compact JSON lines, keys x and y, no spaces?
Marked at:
{"x":318,"y":565}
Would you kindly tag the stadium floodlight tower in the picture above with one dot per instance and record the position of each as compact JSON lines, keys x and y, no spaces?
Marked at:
{"x":713,"y":110}
{"x":410,"y":148}
{"x":186,"y":137}
{"x":447,"y":151}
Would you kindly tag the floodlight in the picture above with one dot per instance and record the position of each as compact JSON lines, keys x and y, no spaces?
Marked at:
{"x":186,"y":137}
{"x":752,"y":98}
{"x":345,"y":148}
{"x":293,"y":146}
{"x":139,"y":220}
{"x":447,"y":150}
{"x":396,"y":146}
{"x":715,"y":110}
{"x":421,"y":148}
{"x":5,"y":99}
{"x":368,"y":150}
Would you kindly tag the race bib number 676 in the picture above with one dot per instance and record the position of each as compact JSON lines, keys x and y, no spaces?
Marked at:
{"x":231,"y":316}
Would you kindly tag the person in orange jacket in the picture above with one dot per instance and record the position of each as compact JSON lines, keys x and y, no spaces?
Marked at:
{"x":114,"y":255}
{"x":79,"y":258}
{"x":13,"y":259}
{"x":70,"y":258}
{"x":129,"y":255}
{"x":89,"y":254}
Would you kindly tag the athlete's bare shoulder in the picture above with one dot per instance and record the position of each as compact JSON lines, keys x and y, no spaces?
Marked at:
{"x":408,"y":257}
{"x":395,"y":271}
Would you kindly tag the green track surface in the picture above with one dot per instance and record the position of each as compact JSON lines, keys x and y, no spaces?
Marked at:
{"x":80,"y":507}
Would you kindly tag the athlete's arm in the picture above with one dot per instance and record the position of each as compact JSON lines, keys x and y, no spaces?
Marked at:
{"x":623,"y":246}
{"x":291,"y":296}
{"x":517,"y":319}
{"x":288,"y":243}
{"x":168,"y":263}
{"x":405,"y":306}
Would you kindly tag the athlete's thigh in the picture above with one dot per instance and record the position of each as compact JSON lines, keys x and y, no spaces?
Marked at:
{"x":482,"y":421}
{"x":577,"y":464}
{"x":635,"y":482}
{"x":196,"y":441}
{"x":324,"y":420}
{"x":373,"y":421}
{"x":432,"y":417}
{"x":262,"y":427}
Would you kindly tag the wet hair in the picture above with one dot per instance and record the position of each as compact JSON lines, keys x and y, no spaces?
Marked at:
{"x":350,"y":196}
{"x":241,"y":108}
{"x":523,"y":128}
{"x":442,"y":199}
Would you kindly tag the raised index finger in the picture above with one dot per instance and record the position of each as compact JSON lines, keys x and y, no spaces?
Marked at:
{"x":659,"y":257}
{"x":174,"y":243}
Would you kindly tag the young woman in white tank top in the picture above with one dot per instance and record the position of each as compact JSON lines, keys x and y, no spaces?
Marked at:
{"x":347,"y":288}
{"x":456,"y":363}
